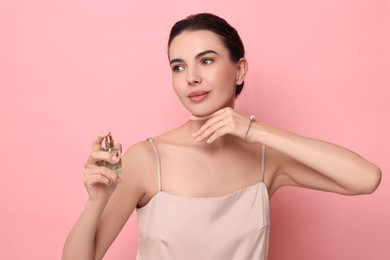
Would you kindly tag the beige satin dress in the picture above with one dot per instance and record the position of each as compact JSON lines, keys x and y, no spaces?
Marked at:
{"x":230,"y":227}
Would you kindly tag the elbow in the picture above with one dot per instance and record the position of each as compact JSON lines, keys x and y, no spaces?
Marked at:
{"x":368,"y":184}
{"x":373,"y":180}
{"x":377,"y":179}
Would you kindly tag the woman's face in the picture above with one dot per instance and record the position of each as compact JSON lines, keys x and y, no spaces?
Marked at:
{"x":203,"y":75}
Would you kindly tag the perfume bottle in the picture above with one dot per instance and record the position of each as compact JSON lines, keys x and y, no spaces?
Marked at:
{"x":114,"y":149}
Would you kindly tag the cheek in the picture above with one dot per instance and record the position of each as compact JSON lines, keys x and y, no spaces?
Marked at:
{"x":177,"y":84}
{"x":225,"y":77}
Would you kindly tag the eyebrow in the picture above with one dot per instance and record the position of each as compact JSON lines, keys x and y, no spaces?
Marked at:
{"x":199,"y":55}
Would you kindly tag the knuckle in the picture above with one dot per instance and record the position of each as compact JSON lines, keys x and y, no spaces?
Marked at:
{"x":229,"y":111}
{"x":87,"y":180}
{"x":93,"y":155}
{"x":87,"y":164}
{"x":95,"y":140}
{"x":98,"y":136}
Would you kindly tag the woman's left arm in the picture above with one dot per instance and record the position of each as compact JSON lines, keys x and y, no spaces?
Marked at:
{"x":302,"y":161}
{"x":317,"y":164}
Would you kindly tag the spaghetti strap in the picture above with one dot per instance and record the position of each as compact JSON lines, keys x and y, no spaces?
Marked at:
{"x":158,"y":162}
{"x":262,"y":163}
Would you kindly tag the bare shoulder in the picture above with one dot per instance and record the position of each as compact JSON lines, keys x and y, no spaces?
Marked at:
{"x":141,"y":154}
{"x":137,"y":154}
{"x":139,"y":167}
{"x":137,"y":159}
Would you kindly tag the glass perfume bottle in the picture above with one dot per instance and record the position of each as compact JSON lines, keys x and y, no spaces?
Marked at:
{"x":114,"y":149}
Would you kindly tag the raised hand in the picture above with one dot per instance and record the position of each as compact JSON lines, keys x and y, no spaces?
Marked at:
{"x":100,"y":181}
{"x":224,"y":121}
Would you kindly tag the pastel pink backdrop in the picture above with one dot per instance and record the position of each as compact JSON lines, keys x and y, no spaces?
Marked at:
{"x":73,"y":68}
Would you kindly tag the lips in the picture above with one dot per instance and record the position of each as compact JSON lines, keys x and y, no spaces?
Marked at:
{"x":198,"y":95}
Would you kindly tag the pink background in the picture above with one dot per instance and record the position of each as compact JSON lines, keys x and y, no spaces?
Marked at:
{"x":73,"y":68}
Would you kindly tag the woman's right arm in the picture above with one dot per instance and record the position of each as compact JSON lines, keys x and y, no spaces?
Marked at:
{"x":106,"y":211}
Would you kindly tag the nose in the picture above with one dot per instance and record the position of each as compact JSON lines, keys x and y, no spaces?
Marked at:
{"x":193,"y":77}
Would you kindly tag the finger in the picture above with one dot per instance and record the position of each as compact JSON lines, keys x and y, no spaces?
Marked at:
{"x":228,"y":125}
{"x":209,"y":124}
{"x":92,"y":180}
{"x":211,"y":130}
{"x":98,"y":173}
{"x":97,"y":142}
{"x":96,"y":157}
{"x":221,"y":132}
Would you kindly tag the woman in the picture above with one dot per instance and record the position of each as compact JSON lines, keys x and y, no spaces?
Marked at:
{"x":202,"y":190}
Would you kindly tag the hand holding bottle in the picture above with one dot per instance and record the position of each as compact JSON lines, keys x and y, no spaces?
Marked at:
{"x":101,"y":171}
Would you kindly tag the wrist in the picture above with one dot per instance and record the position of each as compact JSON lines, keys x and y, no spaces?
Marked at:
{"x":256,"y":132}
{"x":95,"y":207}
{"x":252,"y":119}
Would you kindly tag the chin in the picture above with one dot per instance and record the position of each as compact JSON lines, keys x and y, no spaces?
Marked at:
{"x":207,"y":108}
{"x":204,"y":111}
{"x":200,"y":113}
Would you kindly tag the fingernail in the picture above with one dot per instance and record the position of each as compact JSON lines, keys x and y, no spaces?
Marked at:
{"x":115,"y":159}
{"x":195,"y":135}
{"x":118,"y":180}
{"x":208,"y":141}
{"x":197,"y":139}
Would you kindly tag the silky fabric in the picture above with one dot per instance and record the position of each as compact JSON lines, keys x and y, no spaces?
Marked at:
{"x":234,"y":226}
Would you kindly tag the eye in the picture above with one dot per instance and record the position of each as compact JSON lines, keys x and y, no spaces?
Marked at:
{"x":177,"y":68}
{"x":207,"y":61}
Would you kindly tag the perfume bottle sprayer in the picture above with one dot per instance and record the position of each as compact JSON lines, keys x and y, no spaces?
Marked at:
{"x":114,"y":150}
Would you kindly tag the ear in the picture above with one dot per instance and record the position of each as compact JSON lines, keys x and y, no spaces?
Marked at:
{"x":242,"y":69}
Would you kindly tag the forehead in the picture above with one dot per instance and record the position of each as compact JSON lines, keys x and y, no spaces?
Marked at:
{"x":190,"y":43}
